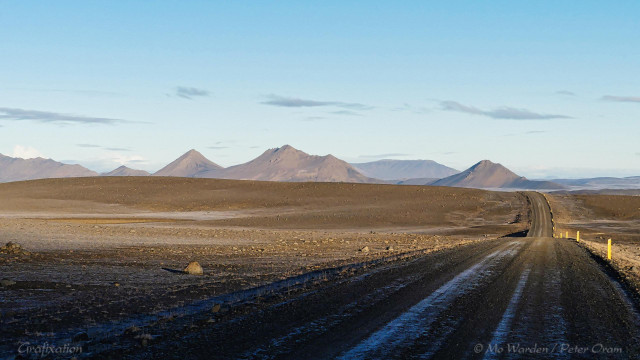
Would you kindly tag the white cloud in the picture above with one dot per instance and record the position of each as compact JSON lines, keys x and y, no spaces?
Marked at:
{"x":26,"y":152}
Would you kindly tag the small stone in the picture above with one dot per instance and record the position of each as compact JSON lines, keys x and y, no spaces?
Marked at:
{"x":365,"y":249}
{"x":389,"y":248}
{"x":215,"y":308}
{"x":7,"y":282}
{"x":81,"y":336}
{"x":131,"y":331}
{"x":193,"y":268}
{"x":116,"y":284}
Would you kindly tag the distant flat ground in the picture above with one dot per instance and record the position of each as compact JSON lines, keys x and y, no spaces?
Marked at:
{"x":600,"y":217}
{"x":99,"y":245}
{"x":224,"y":203}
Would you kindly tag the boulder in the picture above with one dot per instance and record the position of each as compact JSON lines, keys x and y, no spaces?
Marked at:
{"x":13,"y":249}
{"x":193,"y":269}
{"x":7,"y":282}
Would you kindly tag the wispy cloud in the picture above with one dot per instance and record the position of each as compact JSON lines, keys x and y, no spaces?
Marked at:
{"x":88,"y":145}
{"x":412,"y":109}
{"x":536,"y":132}
{"x":283,"y":101}
{"x":505,"y":112}
{"x":190,"y":92}
{"x":54,"y":117}
{"x":84,"y":92}
{"x":566,"y":92}
{"x":26,"y":152}
{"x":346,"y":112}
{"x":217,"y":147}
{"x":95,"y":146}
{"x":634,"y":99}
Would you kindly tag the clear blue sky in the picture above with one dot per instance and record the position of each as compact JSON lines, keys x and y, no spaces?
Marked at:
{"x":547,"y":88}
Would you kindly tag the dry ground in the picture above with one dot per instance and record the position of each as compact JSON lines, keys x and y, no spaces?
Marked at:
{"x":100,"y":247}
{"x":602,"y":217}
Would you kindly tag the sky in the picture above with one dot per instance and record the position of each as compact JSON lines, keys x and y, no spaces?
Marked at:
{"x":547,"y":88}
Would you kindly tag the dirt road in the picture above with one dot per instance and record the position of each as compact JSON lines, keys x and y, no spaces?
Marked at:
{"x":527,"y":297}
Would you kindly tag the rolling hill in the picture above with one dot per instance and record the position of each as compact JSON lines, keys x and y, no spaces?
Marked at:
{"x":488,"y":175}
{"x":125,"y":171}
{"x":404,"y":169}
{"x":17,"y":169}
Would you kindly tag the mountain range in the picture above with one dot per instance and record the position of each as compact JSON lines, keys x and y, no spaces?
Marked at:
{"x":16,"y":169}
{"x":488,"y":175}
{"x":289,"y":164}
{"x":401,"y":170}
{"x":631,"y":182}
{"x":125,"y":171}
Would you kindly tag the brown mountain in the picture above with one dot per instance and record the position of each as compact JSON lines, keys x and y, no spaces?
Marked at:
{"x":404,"y":169}
{"x":16,"y":169}
{"x":191,"y":164}
{"x":125,"y":171}
{"x":289,"y":164}
{"x":489,"y":175}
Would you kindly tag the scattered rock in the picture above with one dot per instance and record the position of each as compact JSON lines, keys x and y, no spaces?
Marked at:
{"x":81,"y":336}
{"x":7,"y":282}
{"x":215,"y":308}
{"x":144,"y":339}
{"x":193,"y":269}
{"x":131,"y":330}
{"x":116,"y":284}
{"x":389,"y":248}
{"x":365,"y":249}
{"x":13,"y":249}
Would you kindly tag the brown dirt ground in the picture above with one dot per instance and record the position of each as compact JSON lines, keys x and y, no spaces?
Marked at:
{"x":599,"y":218}
{"x":99,"y":245}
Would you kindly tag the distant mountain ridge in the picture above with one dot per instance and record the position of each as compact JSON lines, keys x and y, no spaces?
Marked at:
{"x":488,"y":175}
{"x":404,"y":169}
{"x":287,"y":163}
{"x":17,"y":169}
{"x":631,"y":182}
{"x":125,"y":171}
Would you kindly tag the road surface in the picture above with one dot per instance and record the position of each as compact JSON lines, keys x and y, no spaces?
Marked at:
{"x":525,"y":297}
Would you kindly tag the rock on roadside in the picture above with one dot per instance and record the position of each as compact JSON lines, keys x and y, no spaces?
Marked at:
{"x":12,"y":248}
{"x":193,"y":269}
{"x":7,"y":283}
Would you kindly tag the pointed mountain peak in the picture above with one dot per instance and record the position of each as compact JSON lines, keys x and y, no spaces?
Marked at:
{"x":188,"y":165}
{"x":485,"y":163}
{"x":192,"y":154}
{"x":489,"y":175}
{"x":287,"y":149}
